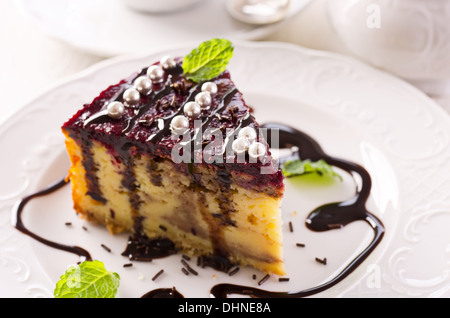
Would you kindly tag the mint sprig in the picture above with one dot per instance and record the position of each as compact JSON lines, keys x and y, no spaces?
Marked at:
{"x":90,"y":279}
{"x":208,"y":60}
{"x":301,"y":167}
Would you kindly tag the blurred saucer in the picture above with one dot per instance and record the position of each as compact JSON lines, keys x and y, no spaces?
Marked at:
{"x":107,"y":28}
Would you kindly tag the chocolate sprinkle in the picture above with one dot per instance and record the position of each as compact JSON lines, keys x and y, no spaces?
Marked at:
{"x":106,"y":248}
{"x":184,"y":270}
{"x":291,"y":227}
{"x":264,"y":279}
{"x":234,"y":271}
{"x":321,"y":261}
{"x":157,"y":274}
{"x":300,"y":245}
{"x":188,"y":267}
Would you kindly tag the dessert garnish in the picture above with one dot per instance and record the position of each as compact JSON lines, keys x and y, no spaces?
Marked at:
{"x":207,"y":61}
{"x":89,"y":279}
{"x":293,"y":168}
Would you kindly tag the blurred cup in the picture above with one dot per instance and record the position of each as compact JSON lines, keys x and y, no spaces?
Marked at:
{"x":409,"y":38}
{"x":160,"y":6}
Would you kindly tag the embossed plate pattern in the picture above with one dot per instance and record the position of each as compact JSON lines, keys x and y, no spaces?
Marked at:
{"x":354,"y":111}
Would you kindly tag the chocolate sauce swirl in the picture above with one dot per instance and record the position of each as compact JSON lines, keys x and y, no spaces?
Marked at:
{"x":21,"y":226}
{"x":323,"y":218}
{"x":163,"y":293}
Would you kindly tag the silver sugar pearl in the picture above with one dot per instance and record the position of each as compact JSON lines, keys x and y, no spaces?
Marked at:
{"x":131,"y":96}
{"x":160,"y":123}
{"x":155,"y":73}
{"x":210,"y":87}
{"x":143,"y":84}
{"x":248,"y":133}
{"x":240,"y":145}
{"x":115,"y":110}
{"x":203,"y":99}
{"x":179,"y":124}
{"x":192,"y":109}
{"x":256,"y":150}
{"x":168,"y":62}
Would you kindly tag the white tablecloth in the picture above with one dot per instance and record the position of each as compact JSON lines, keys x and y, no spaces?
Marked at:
{"x":32,"y":62}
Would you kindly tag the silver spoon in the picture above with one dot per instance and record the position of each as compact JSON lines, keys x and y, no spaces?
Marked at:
{"x":258,"y":11}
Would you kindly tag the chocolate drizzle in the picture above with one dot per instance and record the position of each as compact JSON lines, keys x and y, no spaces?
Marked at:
{"x":323,"y":218}
{"x":22,"y":228}
{"x":333,"y":215}
{"x":163,"y":293}
{"x":166,"y":128}
{"x":141,"y":248}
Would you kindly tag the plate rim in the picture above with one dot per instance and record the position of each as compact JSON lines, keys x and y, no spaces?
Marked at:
{"x":270,"y":44}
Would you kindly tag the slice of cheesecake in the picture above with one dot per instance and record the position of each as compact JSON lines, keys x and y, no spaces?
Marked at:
{"x":164,"y":157}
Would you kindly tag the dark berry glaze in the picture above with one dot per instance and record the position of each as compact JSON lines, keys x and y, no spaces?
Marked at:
{"x":145,"y":126}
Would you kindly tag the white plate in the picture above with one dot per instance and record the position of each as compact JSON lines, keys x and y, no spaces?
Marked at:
{"x":107,"y":28}
{"x":354,"y":111}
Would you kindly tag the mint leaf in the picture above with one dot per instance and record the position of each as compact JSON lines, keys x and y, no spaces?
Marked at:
{"x":300,"y":167}
{"x":209,"y":60}
{"x":90,"y":279}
